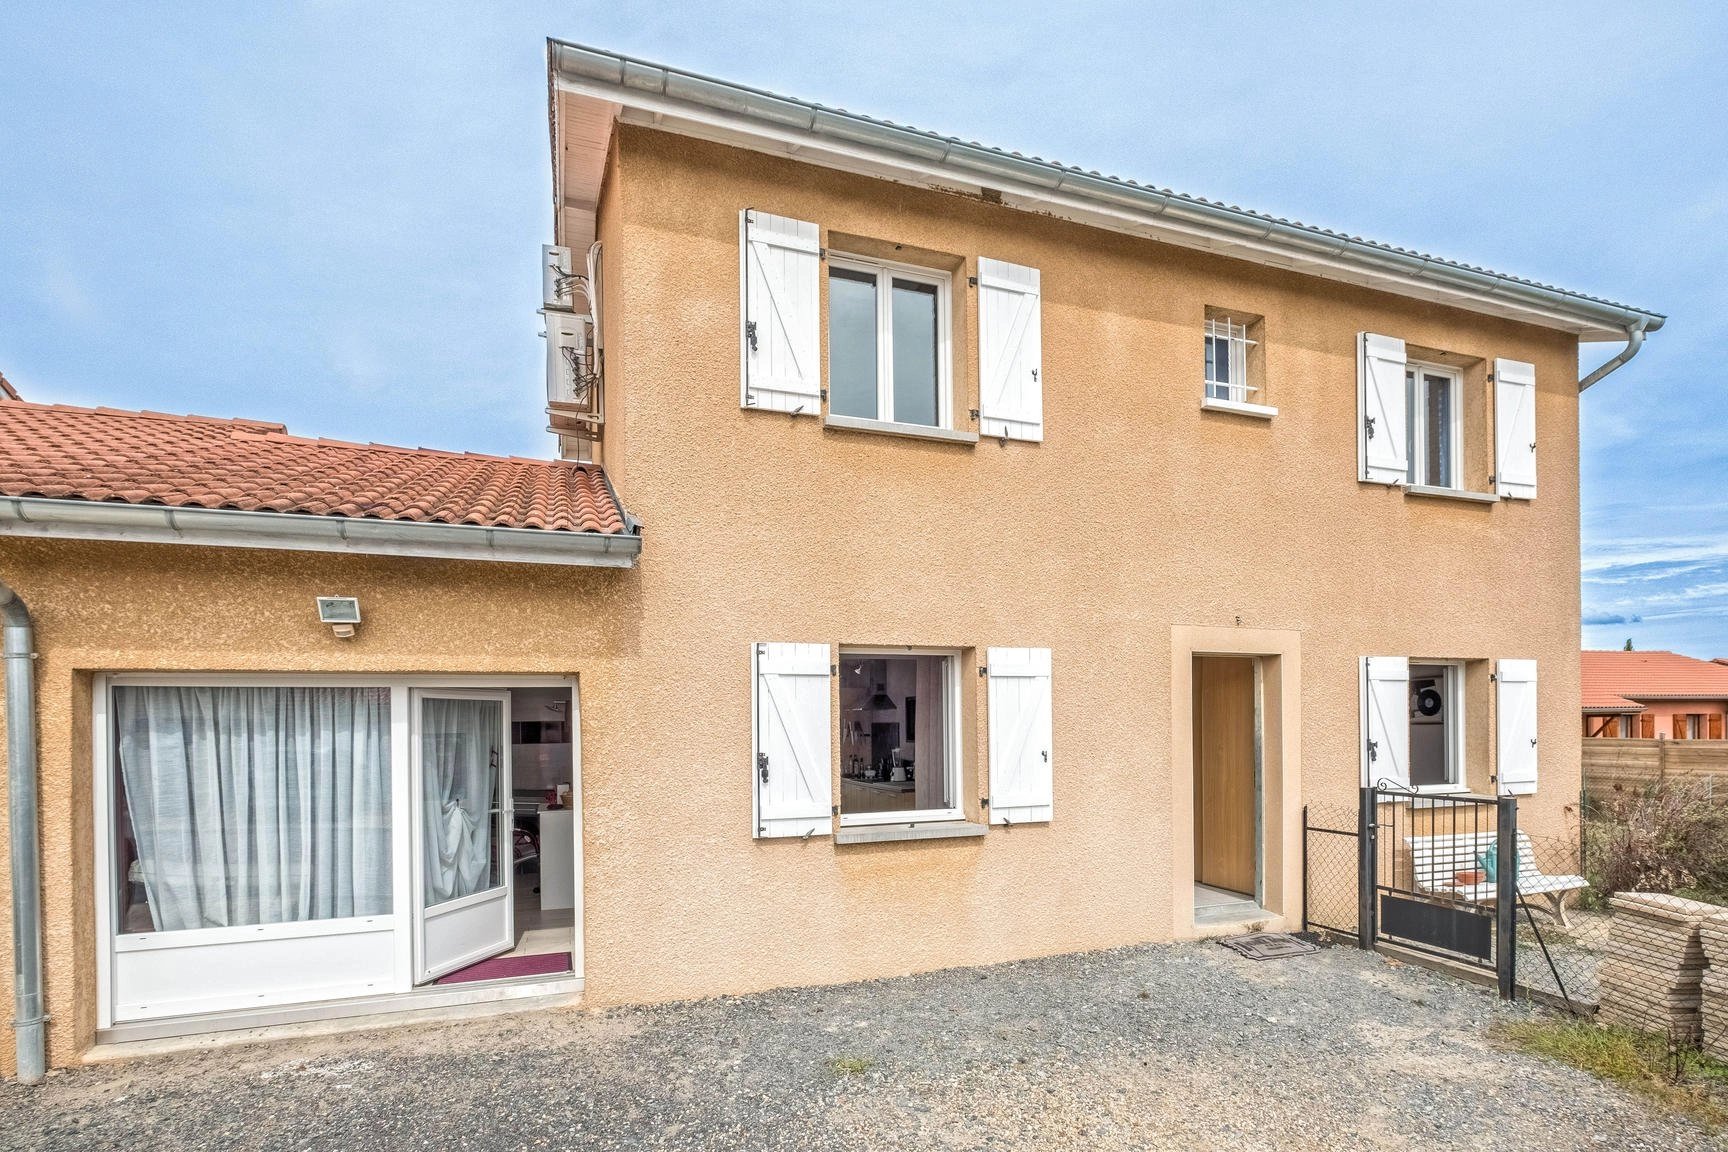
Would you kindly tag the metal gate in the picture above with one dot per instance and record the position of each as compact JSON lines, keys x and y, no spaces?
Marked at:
{"x":1438,"y":884}
{"x":1418,"y":872}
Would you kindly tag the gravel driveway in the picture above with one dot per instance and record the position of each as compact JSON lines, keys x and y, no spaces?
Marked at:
{"x":1158,"y":1047}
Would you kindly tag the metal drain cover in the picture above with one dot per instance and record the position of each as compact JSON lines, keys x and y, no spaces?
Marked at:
{"x":1268,"y":945}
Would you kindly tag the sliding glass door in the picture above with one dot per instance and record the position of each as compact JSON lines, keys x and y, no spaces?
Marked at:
{"x":464,"y":813}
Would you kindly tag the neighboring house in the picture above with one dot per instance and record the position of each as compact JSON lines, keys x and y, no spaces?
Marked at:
{"x":1022,"y":550}
{"x":1653,"y":696}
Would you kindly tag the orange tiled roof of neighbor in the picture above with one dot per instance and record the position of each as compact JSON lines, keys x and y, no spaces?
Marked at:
{"x":1613,"y":681}
{"x":118,"y":456}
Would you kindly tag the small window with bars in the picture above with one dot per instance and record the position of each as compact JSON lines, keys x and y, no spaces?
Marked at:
{"x":1227,"y":346}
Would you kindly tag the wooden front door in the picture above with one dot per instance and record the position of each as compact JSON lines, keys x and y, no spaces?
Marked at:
{"x":1225,"y":844}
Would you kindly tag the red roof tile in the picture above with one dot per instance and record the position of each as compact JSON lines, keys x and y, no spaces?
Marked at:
{"x":1613,"y":681}
{"x":107,"y":454}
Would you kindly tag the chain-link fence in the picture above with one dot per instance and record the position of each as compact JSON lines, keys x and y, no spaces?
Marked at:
{"x":1639,"y":934}
{"x":1331,"y":859}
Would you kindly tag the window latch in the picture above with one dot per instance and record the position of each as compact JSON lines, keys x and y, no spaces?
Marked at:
{"x":1373,"y":755}
{"x":1369,"y":420}
{"x":750,"y":334}
{"x":1034,"y":375}
{"x":762,"y":765}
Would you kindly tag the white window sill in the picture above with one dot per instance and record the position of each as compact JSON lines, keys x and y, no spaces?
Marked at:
{"x":1239,"y":407}
{"x":884,"y":833}
{"x":1434,"y":492}
{"x":911,"y":431}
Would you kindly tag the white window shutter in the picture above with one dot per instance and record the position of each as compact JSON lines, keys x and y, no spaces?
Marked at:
{"x":1515,"y":711}
{"x":1386,"y":720}
{"x":1010,"y":352}
{"x":1515,"y":429}
{"x":781,"y":338}
{"x":1021,"y":759}
{"x":1381,"y":430}
{"x":793,"y":765}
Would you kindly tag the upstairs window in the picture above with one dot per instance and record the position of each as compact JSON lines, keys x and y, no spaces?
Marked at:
{"x":888,"y":357}
{"x":1433,"y":430}
{"x":1227,"y":346}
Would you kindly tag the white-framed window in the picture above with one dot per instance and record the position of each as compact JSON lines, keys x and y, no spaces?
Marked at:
{"x":1437,"y":727}
{"x":888,"y":343}
{"x":1434,"y":402}
{"x":899,"y":736}
{"x":1227,"y":346}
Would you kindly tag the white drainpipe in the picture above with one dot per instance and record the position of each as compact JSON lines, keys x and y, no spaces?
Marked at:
{"x":1634,"y":341}
{"x":27,"y":1015}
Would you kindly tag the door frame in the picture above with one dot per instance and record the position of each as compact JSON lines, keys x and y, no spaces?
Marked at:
{"x":503,"y":828}
{"x":1279,"y":688}
{"x":401,"y":993}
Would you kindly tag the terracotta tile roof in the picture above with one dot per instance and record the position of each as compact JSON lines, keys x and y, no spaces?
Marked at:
{"x":1613,"y":681}
{"x":107,"y":454}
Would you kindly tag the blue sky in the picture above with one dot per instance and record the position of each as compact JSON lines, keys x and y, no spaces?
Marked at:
{"x":329,"y":213}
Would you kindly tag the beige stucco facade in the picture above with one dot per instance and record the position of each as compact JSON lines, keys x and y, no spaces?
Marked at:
{"x":1140,"y":532}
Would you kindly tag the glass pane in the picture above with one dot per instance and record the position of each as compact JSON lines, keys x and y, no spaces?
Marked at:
{"x":1412,"y":414}
{"x":243,"y":806}
{"x":462,"y":765}
{"x":1438,"y":446}
{"x":1430,"y":716}
{"x":894,"y":734}
{"x":914,"y":308}
{"x":852,"y":344}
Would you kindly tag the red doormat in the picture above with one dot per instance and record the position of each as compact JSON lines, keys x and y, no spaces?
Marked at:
{"x":510,"y":968}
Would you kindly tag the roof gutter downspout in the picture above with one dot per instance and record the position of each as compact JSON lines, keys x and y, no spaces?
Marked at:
{"x":1634,"y":341}
{"x":21,"y":787}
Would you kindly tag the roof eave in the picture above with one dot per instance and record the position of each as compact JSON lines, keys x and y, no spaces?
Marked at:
{"x":298,"y":532}
{"x":703,"y":106}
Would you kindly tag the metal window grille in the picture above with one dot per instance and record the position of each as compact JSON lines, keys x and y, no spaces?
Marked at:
{"x":1227,"y":347}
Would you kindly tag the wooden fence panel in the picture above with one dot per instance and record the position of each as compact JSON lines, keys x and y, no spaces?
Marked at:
{"x":1609,"y":764}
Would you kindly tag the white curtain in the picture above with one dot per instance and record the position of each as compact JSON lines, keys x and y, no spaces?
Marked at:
{"x":932,"y":734}
{"x":461,"y":756}
{"x":256,"y":805}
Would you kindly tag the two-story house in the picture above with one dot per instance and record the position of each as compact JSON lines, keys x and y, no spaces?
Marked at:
{"x":957,"y":557}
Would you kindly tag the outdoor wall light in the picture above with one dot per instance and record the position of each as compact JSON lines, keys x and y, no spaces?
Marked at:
{"x":342,"y":613}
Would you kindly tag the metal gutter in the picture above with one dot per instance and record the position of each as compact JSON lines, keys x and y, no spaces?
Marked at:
{"x":28,"y":1018}
{"x":231,"y":528}
{"x":663,"y":90}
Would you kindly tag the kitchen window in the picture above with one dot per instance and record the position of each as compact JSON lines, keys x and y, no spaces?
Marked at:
{"x":899,"y":744}
{"x":1434,"y":403}
{"x":1436,"y":727}
{"x":888,"y":343}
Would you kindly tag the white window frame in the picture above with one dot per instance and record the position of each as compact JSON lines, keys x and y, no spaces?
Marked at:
{"x":886,"y":272}
{"x":1237,"y":343}
{"x":951,"y":741}
{"x":1453,"y":693}
{"x":404,"y":842}
{"x":1416,"y":423}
